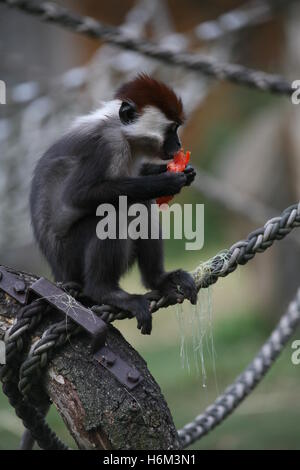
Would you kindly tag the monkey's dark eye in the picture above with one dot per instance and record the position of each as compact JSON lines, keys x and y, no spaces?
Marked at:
{"x":127,"y":112}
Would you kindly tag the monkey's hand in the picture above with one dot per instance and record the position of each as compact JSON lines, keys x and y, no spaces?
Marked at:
{"x":152,"y":169}
{"x":177,"y":286}
{"x":172,"y":183}
{"x":190,"y":173}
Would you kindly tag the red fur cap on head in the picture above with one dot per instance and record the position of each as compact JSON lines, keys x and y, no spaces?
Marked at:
{"x":146,"y":91}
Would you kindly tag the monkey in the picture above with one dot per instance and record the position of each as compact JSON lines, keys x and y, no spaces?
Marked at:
{"x":99,"y":158}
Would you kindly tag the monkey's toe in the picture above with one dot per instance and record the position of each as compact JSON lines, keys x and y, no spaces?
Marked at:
{"x":143,"y":315}
{"x":187,"y":287}
{"x":179,"y":285}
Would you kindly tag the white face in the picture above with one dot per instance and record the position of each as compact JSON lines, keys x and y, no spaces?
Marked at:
{"x":151,"y":124}
{"x":146,"y":135}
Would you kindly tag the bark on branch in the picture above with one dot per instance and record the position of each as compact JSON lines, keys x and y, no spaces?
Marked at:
{"x":98,"y":411}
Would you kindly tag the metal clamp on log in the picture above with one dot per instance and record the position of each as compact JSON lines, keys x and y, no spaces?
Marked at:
{"x":59,"y":299}
{"x":97,"y":328}
{"x":62,"y":301}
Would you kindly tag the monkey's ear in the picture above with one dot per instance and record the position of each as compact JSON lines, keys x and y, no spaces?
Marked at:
{"x":128,"y":112}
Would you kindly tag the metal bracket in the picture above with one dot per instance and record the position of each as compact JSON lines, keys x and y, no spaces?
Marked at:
{"x":60,"y":300}
{"x":13,"y":285}
{"x":124,"y":373}
{"x":81,"y":315}
{"x":97,"y":328}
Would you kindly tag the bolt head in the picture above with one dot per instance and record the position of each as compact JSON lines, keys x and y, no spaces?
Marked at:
{"x":109,"y":358}
{"x":133,"y":375}
{"x":20,"y":287}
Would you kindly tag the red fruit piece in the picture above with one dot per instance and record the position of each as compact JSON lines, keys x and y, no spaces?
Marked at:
{"x":178,"y":164}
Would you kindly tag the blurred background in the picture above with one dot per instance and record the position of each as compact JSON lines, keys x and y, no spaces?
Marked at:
{"x":246,"y":146}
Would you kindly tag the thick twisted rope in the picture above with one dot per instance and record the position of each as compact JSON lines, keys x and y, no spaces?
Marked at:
{"x":223,"y":263}
{"x":250,"y":14}
{"x":32,"y":419}
{"x":17,"y":338}
{"x":42,"y":352}
{"x":52,"y":13}
{"x":243,"y":251}
{"x":247,"y":381}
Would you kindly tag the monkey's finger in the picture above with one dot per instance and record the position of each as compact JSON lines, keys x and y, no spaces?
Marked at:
{"x":192,"y":294}
{"x":147,"y":325}
{"x":189,"y":169}
{"x":174,"y":298}
{"x":188,"y":288}
{"x":190,"y":178}
{"x":194,"y":297}
{"x":146,"y":330}
{"x":189,"y":182}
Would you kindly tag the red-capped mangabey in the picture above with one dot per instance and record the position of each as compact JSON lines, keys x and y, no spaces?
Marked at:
{"x":95,"y":162}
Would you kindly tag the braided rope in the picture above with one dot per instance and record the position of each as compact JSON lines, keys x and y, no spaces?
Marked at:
{"x":238,"y":74}
{"x":32,"y":419}
{"x":223,"y":263}
{"x":41,"y":353}
{"x":247,"y":381}
{"x":243,"y":251}
{"x":42,"y":350}
{"x":247,"y":15}
{"x":16,"y":338}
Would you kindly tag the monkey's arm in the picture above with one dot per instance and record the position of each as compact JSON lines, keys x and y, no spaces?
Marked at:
{"x":85,"y":193}
{"x":152,"y":169}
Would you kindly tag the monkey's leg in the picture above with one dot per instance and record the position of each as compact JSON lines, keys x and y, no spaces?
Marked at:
{"x":136,"y":304}
{"x":176,"y":285}
{"x":105,"y":262}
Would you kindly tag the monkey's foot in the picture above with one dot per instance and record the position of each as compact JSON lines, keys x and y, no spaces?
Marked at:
{"x":177,"y":286}
{"x":139,"y":306}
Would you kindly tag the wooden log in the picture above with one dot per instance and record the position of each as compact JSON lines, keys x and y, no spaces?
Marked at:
{"x":99,"y":412}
